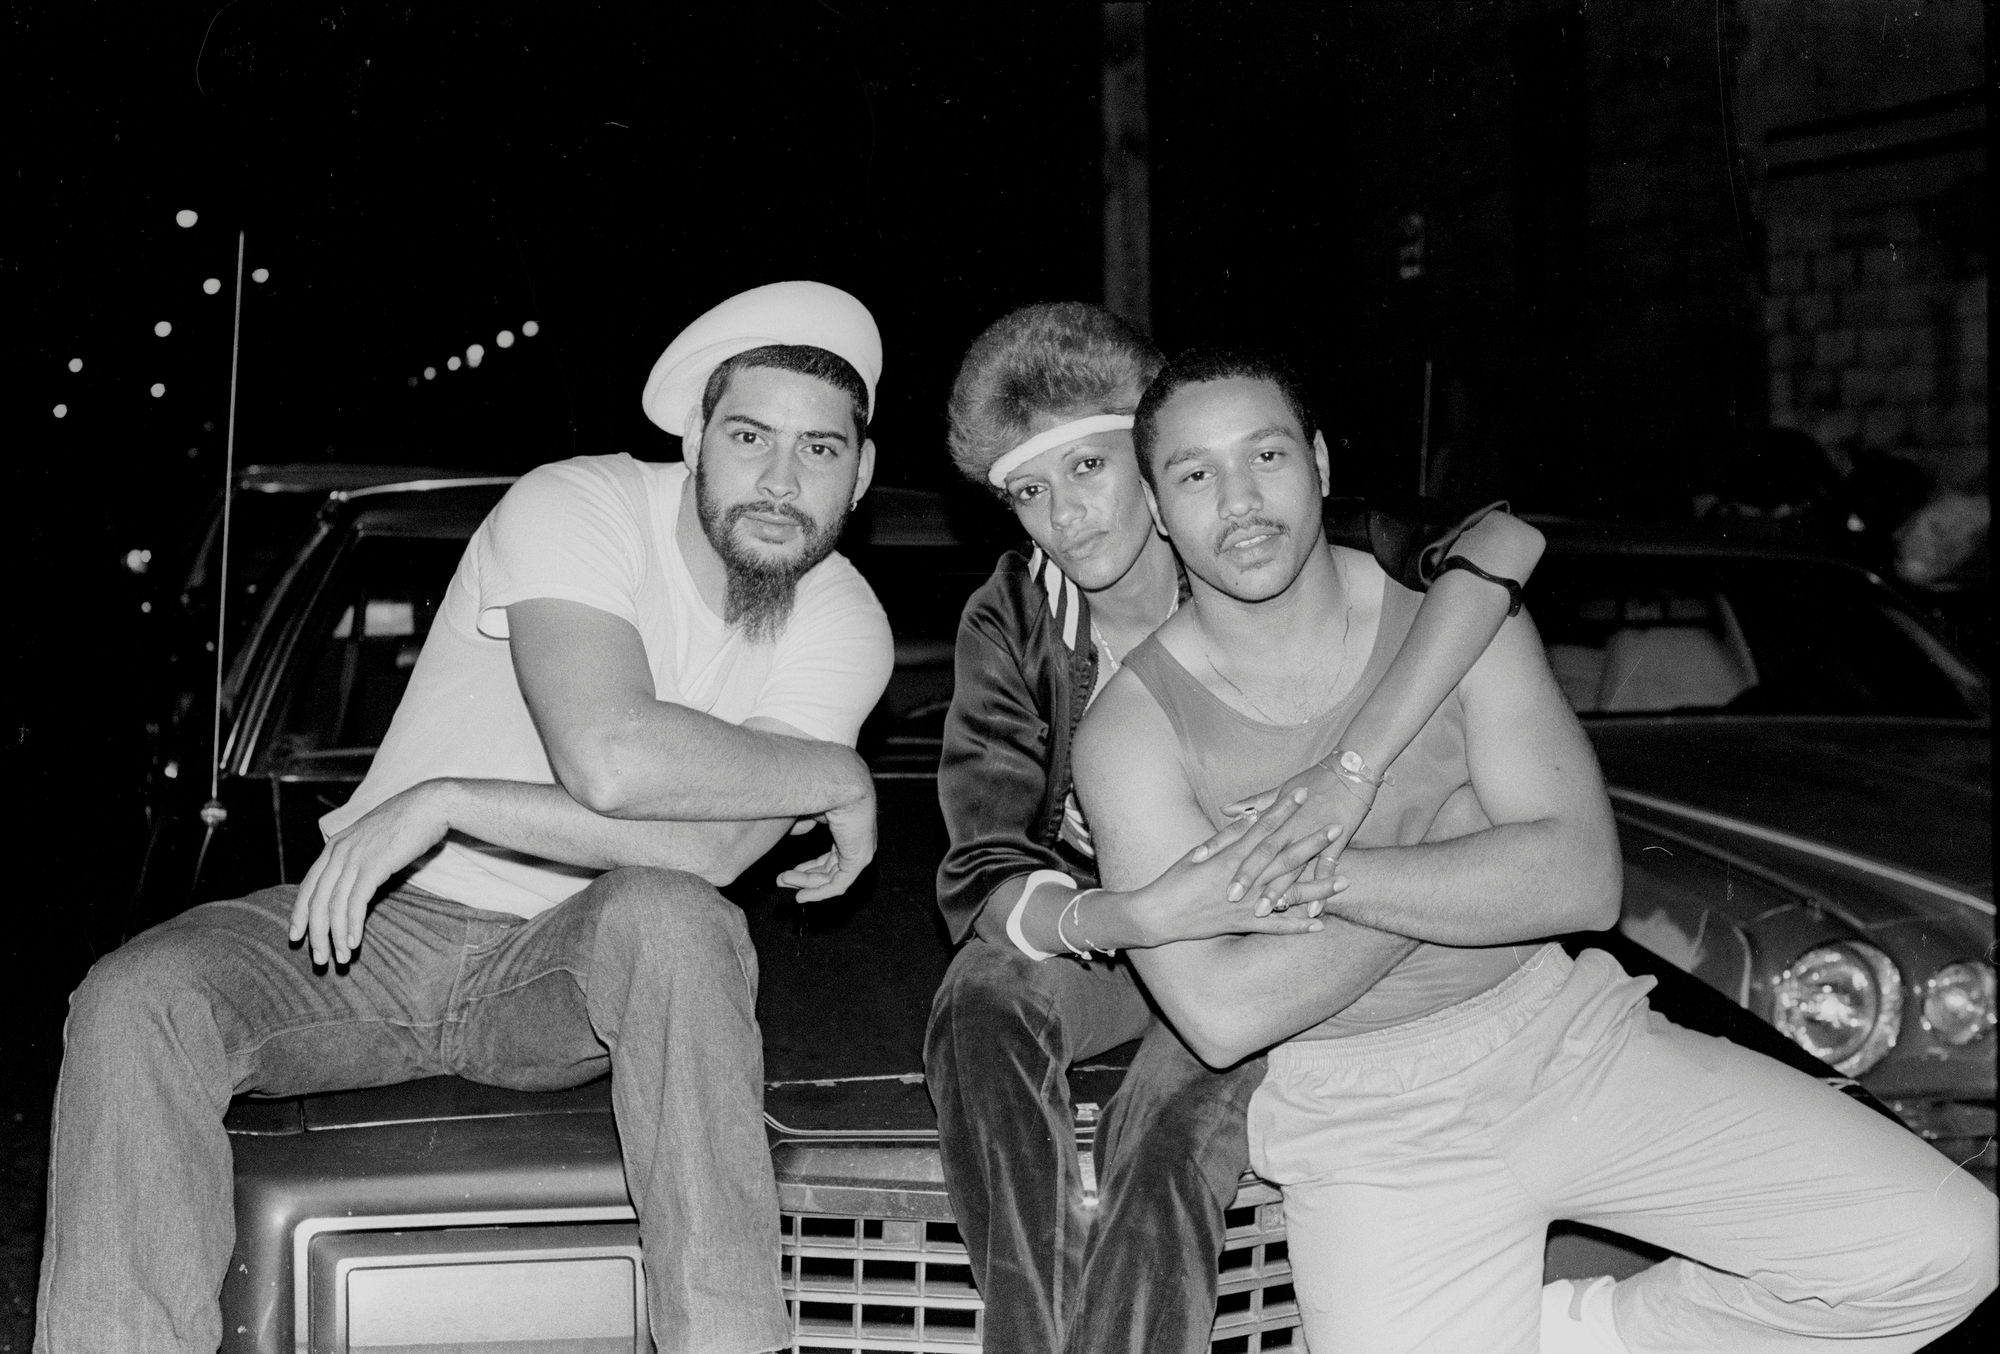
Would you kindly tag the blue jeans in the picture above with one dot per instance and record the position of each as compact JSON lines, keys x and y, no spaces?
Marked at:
{"x":647,"y":972}
{"x":1141,"y":1277}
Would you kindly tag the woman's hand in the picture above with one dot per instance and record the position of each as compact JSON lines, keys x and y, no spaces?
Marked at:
{"x":1193,"y":899}
{"x":1274,"y":872}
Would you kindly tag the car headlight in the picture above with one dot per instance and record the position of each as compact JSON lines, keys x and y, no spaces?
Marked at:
{"x":1958,"y":1002}
{"x":1841,"y":1003}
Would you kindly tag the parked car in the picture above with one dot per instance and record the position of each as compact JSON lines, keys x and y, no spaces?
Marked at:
{"x":1802,"y":773}
{"x":439,"y":1213}
{"x":272,"y":510}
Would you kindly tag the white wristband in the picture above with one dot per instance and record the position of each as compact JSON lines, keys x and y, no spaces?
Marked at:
{"x":1014,"y":932}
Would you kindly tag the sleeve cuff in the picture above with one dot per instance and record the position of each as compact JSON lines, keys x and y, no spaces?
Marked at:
{"x":1014,"y":932}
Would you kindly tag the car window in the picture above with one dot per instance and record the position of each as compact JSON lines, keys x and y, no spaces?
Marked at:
{"x":1639,"y":634}
{"x":361,"y":642}
{"x":265,"y":532}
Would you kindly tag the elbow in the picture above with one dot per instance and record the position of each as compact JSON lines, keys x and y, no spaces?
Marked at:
{"x":721,"y":873}
{"x":593,"y":768}
{"x":597,"y":789}
{"x":1600,"y":891}
{"x":1516,"y":547}
{"x":1219,"y":1039}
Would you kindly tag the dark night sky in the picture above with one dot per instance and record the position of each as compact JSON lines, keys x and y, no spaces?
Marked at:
{"x":418,"y":178}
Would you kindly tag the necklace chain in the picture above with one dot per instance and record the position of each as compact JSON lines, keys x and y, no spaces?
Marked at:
{"x":1346,"y":624}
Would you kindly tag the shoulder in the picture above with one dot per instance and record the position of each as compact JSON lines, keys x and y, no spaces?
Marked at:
{"x":1013,"y":599}
{"x":1122,"y":722}
{"x":582,"y":482}
{"x":1016,"y":583}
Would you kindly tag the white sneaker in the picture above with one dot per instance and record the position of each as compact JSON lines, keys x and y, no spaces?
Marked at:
{"x":1576,"y":1317}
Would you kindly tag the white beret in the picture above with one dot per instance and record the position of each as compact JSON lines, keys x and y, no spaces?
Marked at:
{"x":807,"y":313}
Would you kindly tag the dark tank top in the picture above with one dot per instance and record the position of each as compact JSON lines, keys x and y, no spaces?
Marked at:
{"x":1428,"y":797}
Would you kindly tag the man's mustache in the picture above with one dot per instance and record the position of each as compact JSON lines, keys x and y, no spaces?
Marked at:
{"x":1230,"y":535}
{"x":796,"y":515}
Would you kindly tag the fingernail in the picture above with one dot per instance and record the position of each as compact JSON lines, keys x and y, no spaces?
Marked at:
{"x":1263,"y":907}
{"x":1339,"y":885}
{"x":1201,"y":853}
{"x":1317,"y":926}
{"x":1235,"y":892}
{"x":1299,"y":795}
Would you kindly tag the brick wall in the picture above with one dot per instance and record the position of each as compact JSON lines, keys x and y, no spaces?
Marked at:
{"x":1862,"y":126}
{"x":1875,"y":339}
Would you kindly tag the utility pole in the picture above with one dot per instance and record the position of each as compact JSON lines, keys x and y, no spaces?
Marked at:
{"x":1128,"y":218}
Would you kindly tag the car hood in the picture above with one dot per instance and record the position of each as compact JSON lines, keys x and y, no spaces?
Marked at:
{"x":845,"y":985}
{"x":1911,"y":794}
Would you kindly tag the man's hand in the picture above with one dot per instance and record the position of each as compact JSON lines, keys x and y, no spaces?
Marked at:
{"x":333,"y":901}
{"x":1194,"y":899}
{"x":1273,"y":871}
{"x":830,"y":875}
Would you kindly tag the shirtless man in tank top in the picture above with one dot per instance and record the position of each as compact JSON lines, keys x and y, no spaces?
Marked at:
{"x":1443,"y":1080}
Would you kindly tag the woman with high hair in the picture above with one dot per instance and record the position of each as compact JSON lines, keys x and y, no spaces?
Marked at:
{"x":1041,"y":413}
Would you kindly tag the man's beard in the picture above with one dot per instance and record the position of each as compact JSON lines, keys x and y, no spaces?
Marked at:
{"x":759,"y":591}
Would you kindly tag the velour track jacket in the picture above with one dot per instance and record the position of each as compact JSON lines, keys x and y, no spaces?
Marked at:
{"x":1024,"y":670}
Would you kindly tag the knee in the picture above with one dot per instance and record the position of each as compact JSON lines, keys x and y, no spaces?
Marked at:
{"x":1960,"y":1256}
{"x":1184,"y":1144}
{"x":133,"y":991}
{"x":993,"y":995}
{"x":671,"y":912}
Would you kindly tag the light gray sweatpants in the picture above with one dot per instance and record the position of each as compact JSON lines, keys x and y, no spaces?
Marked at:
{"x":1423,"y":1164}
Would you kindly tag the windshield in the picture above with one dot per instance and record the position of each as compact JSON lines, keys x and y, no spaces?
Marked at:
{"x":1648,"y":634}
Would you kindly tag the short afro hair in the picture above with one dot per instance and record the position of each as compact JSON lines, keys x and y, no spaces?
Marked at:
{"x":1063,"y":359}
{"x":801,"y":358}
{"x":1199,"y":365}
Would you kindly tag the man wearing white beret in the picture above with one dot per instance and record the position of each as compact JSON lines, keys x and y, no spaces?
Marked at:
{"x":641,"y":677}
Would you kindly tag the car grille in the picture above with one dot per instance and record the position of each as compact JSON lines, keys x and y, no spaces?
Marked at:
{"x":902,"y":1284}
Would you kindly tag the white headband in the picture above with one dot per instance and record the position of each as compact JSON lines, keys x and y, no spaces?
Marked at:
{"x":1054,"y":437}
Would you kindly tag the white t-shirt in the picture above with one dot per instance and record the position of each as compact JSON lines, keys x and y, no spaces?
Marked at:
{"x":600,"y":530}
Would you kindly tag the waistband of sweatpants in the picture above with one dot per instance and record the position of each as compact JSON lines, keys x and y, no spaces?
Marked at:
{"x":1495,"y":1015}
